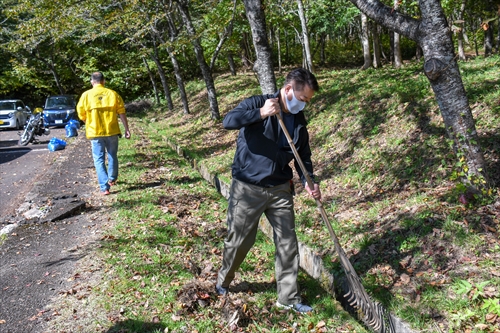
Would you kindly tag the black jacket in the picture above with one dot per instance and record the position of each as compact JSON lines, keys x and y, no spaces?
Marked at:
{"x":259,"y":157}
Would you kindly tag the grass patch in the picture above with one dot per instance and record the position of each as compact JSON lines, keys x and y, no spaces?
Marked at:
{"x":380,"y":151}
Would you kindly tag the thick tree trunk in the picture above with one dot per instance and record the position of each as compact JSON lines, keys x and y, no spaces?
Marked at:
{"x":305,"y":37}
{"x":365,"y":42}
{"x":200,"y":57}
{"x":153,"y":83}
{"x":264,"y":64}
{"x":432,"y":33}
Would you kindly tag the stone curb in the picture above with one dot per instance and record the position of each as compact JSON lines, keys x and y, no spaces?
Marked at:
{"x":310,"y":262}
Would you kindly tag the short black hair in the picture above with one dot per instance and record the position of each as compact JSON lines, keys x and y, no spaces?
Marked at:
{"x":97,"y":77}
{"x":302,"y":77}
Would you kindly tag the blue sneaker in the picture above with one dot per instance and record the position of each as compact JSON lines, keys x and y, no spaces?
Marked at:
{"x":299,"y":307}
{"x":221,"y":291}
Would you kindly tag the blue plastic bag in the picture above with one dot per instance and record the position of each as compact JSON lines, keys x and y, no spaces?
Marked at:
{"x":56,"y":144}
{"x":71,"y":130}
{"x":74,"y":122}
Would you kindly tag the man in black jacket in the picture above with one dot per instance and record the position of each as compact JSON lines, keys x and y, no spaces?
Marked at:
{"x":262,"y":181}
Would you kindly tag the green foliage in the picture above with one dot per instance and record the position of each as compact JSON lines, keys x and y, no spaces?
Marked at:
{"x":492,"y":305}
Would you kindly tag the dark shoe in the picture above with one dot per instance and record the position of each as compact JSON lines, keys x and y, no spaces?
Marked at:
{"x":221,"y":291}
{"x":105,"y":192}
{"x":299,"y":307}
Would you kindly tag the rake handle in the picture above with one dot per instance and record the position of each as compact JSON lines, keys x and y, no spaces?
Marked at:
{"x":309,"y":181}
{"x":357,"y":295}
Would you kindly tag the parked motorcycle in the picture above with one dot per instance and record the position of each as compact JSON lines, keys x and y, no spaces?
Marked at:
{"x":34,"y":126}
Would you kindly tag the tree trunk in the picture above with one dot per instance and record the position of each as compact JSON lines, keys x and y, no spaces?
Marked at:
{"x":322,"y":49}
{"x":474,"y":27}
{"x":365,"y":42}
{"x":418,"y":53}
{"x":179,"y":79}
{"x":287,"y":47}
{"x":488,"y":40}
{"x":460,"y":34}
{"x":391,"y":43}
{"x":305,"y":37}
{"x":376,"y":46}
{"x":245,"y":54}
{"x":175,"y":64}
{"x":263,"y":65}
{"x":279,"y":49}
{"x":230,"y":61}
{"x":398,"y":61}
{"x":200,"y":57}
{"x":498,"y":33}
{"x":228,"y":31}
{"x":153,"y":83}
{"x":432,"y":33}
{"x":50,"y":65}
{"x":163,"y":77}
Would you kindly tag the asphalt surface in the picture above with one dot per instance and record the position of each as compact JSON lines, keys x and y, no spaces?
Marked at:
{"x":21,"y":167}
{"x":55,"y":225}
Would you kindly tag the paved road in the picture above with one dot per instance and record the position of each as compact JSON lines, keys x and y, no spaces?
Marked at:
{"x":21,"y":167}
{"x":38,"y":258}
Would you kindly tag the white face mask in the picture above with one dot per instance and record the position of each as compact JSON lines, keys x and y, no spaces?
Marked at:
{"x":294,"y":106}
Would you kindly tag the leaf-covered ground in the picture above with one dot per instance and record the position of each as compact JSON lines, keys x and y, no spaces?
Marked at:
{"x":389,"y":184}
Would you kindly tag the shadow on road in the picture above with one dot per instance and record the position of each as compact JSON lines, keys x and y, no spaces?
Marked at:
{"x":7,"y":156}
{"x":8,"y":143}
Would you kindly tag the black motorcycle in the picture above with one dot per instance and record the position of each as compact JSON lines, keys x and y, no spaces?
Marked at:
{"x":34,"y":126}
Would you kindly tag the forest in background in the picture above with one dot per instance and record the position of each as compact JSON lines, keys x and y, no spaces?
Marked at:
{"x":149,"y":49}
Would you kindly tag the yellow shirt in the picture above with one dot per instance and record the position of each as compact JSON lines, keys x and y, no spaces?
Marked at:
{"x":99,"y":108}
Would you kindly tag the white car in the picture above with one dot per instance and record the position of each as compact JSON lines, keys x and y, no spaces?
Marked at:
{"x":13,"y":114}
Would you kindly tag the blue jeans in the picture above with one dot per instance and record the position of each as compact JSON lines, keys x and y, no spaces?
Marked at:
{"x":100,"y":146}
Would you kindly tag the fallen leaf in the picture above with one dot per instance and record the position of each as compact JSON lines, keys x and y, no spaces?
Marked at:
{"x":491,"y":317}
{"x":405,"y":278}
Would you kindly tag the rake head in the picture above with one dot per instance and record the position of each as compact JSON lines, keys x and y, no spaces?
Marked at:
{"x":372,"y":313}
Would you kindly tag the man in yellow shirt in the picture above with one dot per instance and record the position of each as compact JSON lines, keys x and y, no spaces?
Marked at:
{"x":99,"y":108}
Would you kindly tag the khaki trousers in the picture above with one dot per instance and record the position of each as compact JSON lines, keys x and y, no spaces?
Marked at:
{"x":247,"y":203}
